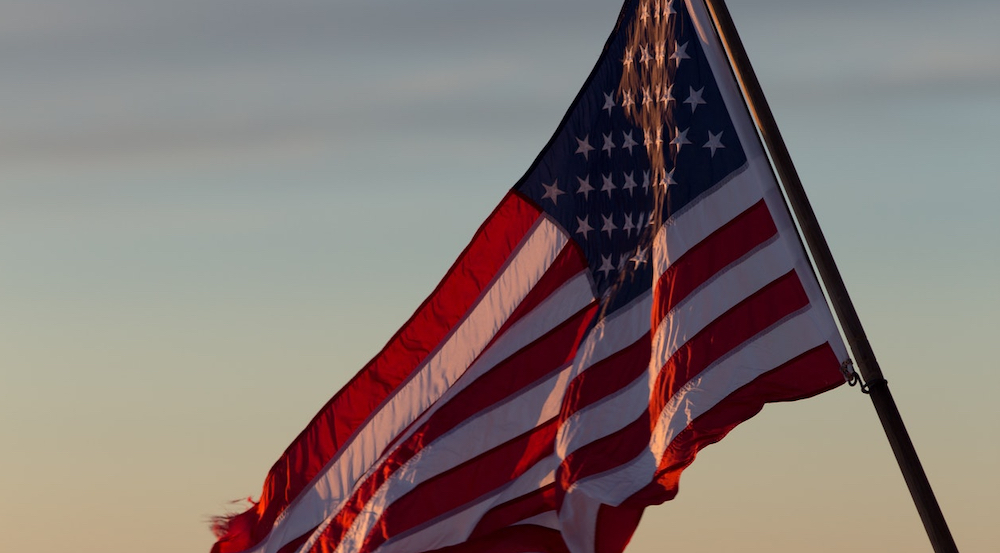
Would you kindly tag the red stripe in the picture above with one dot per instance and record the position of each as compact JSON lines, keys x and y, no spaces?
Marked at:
{"x":464,"y":483}
{"x":748,"y":318}
{"x":720,"y":249}
{"x":525,"y":538}
{"x":293,"y":546}
{"x":614,"y":527}
{"x":605,"y":453}
{"x":607,"y":376}
{"x":569,"y":263}
{"x":337,"y":421}
{"x":533,"y":362}
{"x":764,"y":308}
{"x":526,"y":506}
{"x":810,"y":373}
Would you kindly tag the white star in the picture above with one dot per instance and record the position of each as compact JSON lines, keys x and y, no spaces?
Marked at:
{"x":609,"y":225}
{"x":680,"y":138}
{"x":606,"y":266}
{"x":627,"y":100}
{"x":644,"y":15}
{"x":629,"y":182}
{"x":645,"y":180}
{"x":661,"y":53}
{"x":694,"y":98}
{"x":629,"y":141}
{"x":640,"y":257}
{"x":609,"y":185}
{"x":714,"y":142}
{"x":583,"y":146}
{"x":647,"y":98}
{"x":609,"y":102}
{"x":669,"y":10}
{"x":584,"y":187}
{"x":668,"y":178}
{"x":583,"y":226}
{"x":629,"y":224}
{"x":627,"y":60}
{"x":552,"y":192}
{"x":608,"y":143}
{"x":646,"y":58}
{"x":668,"y":96}
{"x":680,"y":53}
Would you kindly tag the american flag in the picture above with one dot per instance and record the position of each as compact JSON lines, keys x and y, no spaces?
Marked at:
{"x":637,"y":294}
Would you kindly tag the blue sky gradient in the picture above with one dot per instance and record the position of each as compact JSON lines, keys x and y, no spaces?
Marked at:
{"x":213,"y":213}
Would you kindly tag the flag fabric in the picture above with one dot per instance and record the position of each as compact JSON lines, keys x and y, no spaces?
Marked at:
{"x":637,"y":294}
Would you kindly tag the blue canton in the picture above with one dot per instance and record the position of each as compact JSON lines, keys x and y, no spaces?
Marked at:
{"x":647,"y":135}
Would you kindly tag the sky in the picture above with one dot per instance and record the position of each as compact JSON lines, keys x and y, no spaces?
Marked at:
{"x":213,"y":213}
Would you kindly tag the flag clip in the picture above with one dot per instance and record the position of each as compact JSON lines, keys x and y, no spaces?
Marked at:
{"x":852,"y":376}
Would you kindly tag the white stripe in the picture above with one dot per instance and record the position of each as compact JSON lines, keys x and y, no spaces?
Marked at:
{"x":540,"y":475}
{"x":578,"y":519}
{"x":535,"y":254}
{"x":683,"y":322}
{"x":566,"y":301}
{"x":457,"y":526}
{"x":760,"y":167}
{"x":700,"y":219}
{"x":562,"y":304}
{"x":622,"y":329}
{"x":481,"y":434}
{"x":720,"y":294}
{"x":770,"y":350}
{"x":782,"y":344}
{"x":548,"y":519}
{"x":618,"y":330}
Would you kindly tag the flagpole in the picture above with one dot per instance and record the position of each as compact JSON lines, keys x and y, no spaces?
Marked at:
{"x":906,"y":455}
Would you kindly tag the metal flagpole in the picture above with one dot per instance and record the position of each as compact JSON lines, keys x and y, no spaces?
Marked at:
{"x":878,"y":389}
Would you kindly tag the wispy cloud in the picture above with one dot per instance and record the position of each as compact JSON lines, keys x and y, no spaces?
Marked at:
{"x":116,"y":81}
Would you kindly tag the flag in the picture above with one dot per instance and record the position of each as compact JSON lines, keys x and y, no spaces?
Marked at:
{"x":636,"y":295}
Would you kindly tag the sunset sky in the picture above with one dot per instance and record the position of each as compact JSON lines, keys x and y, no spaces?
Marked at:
{"x":214,"y":212}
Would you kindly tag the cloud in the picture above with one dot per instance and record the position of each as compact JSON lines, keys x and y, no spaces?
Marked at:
{"x":111,"y":81}
{"x":115,"y":81}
